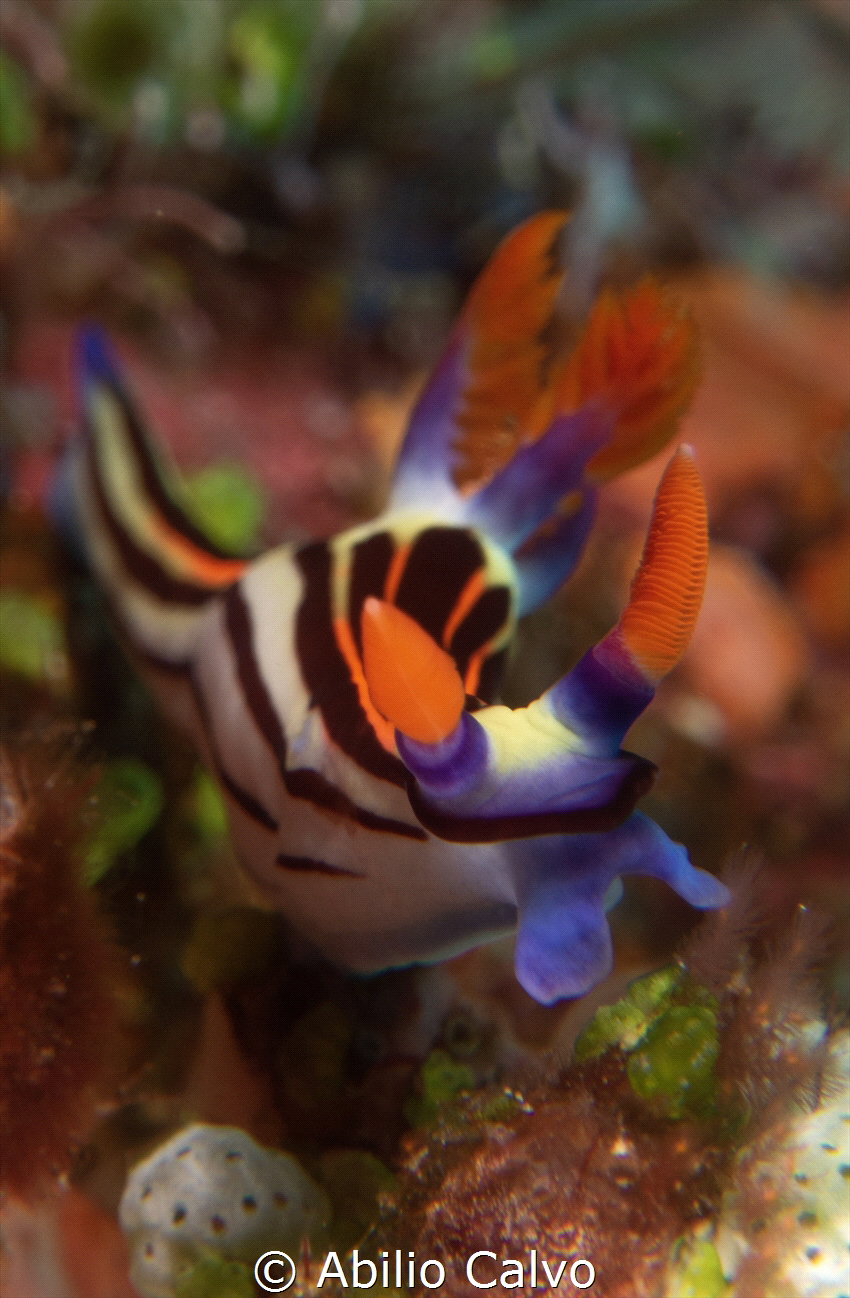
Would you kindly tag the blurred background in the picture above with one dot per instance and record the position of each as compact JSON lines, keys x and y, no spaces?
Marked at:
{"x":276,"y":207}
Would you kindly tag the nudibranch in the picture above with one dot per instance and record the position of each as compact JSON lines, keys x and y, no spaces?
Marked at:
{"x":342,"y":692}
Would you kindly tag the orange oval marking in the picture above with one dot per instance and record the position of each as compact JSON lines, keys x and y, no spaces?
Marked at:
{"x":412,"y":681}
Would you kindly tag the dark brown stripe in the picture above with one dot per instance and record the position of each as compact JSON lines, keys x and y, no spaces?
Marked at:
{"x":490,"y":678}
{"x":304,"y":782}
{"x":499,"y":829}
{"x":238,"y":622}
{"x":306,"y":864}
{"x":140,"y":565}
{"x":326,"y":674}
{"x":370,"y":561}
{"x":249,"y":804}
{"x":154,"y":488}
{"x":440,"y":563}
{"x":487,"y":616}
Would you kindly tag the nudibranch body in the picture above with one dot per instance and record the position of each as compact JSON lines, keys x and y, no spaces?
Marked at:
{"x":342,"y":692}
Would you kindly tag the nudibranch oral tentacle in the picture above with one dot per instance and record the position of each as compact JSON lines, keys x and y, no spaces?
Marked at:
{"x":344,"y":692}
{"x":563,"y":944}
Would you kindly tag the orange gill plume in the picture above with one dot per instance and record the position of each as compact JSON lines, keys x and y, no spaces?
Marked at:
{"x":667,"y":590}
{"x":637,"y":353}
{"x":511,"y":320}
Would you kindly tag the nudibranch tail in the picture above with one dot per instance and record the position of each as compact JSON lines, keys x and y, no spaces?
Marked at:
{"x":140,"y":475}
{"x":157,"y":567}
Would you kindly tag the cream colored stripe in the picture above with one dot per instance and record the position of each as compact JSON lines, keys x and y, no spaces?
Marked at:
{"x":125,"y":491}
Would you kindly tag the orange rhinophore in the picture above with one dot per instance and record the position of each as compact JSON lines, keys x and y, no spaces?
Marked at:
{"x":666,"y":593}
{"x":639,"y":353}
{"x":412,"y":681}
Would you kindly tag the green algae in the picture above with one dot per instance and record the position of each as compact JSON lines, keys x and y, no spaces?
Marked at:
{"x":674,"y":1062}
{"x":626,"y":1022}
{"x":667,"y":1025}
{"x":696,"y":1271}
{"x":500,"y":1108}
{"x":227,"y":503}
{"x":265,"y":46}
{"x":129,"y":798}
{"x":18,"y":124}
{"x":32,"y":641}
{"x":205,"y":807}
{"x":113,"y":45}
{"x":441,"y":1080}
